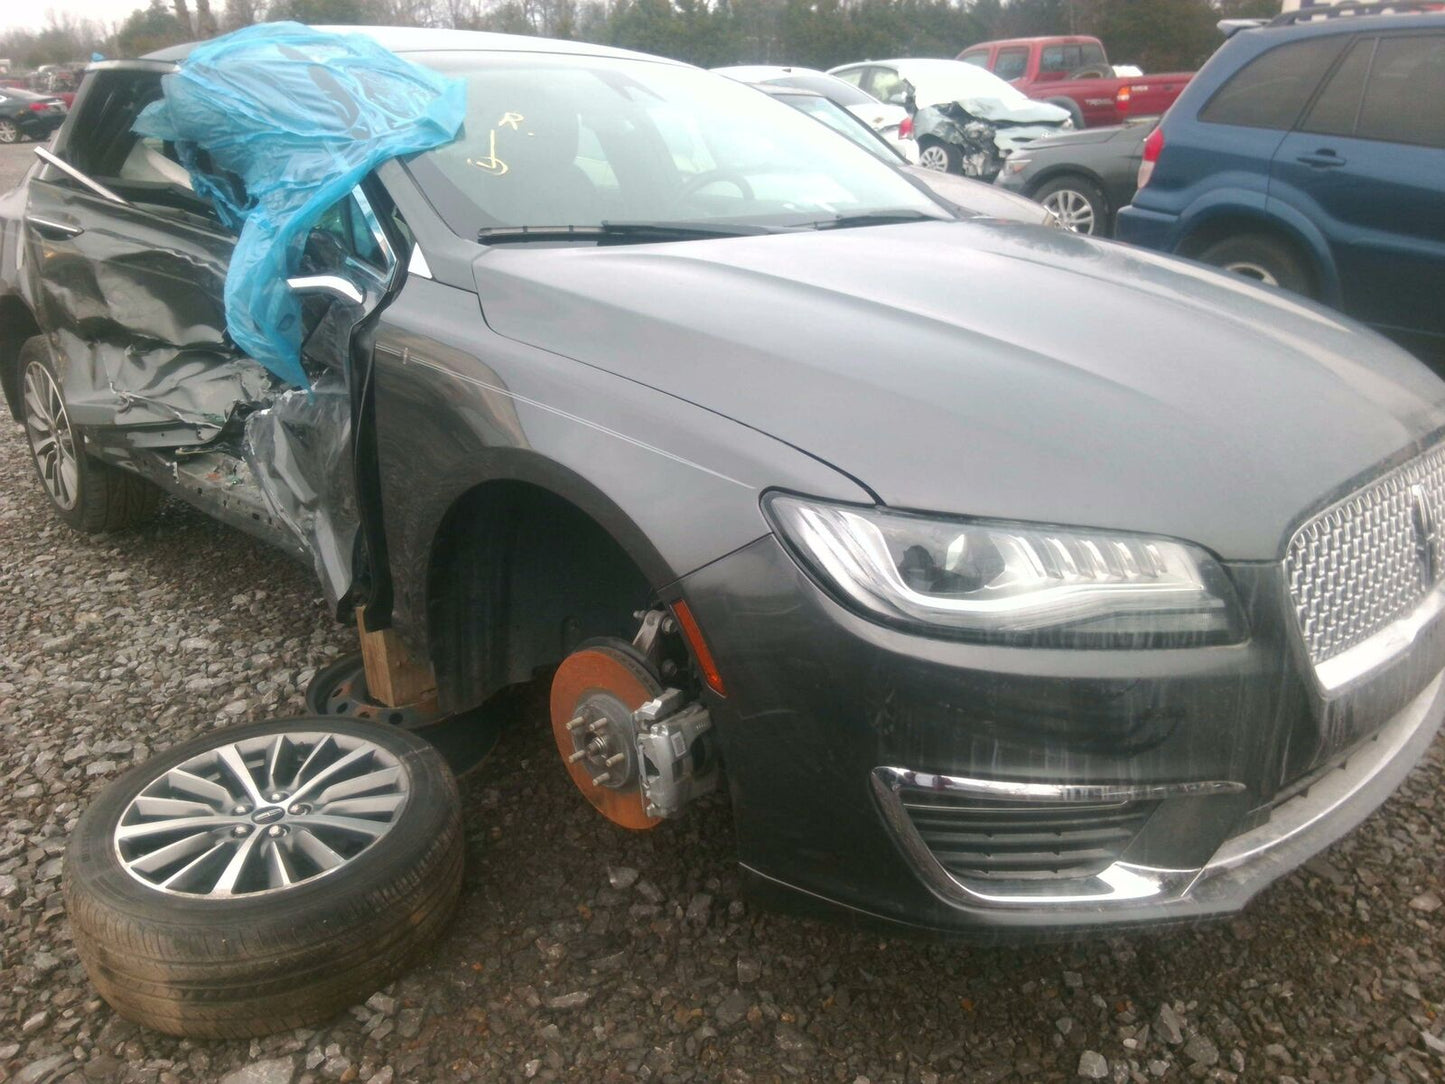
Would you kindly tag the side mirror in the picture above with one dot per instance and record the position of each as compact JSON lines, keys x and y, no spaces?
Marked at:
{"x":331,"y":285}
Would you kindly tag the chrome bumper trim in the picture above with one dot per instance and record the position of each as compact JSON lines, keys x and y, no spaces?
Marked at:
{"x":1338,"y":673}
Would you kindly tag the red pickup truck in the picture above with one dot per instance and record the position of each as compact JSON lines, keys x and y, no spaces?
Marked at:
{"x":1074,"y":73}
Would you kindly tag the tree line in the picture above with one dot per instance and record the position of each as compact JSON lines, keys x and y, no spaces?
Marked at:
{"x":1158,"y":35}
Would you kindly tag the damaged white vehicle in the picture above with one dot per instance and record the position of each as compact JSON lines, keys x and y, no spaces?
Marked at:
{"x":966,"y":120}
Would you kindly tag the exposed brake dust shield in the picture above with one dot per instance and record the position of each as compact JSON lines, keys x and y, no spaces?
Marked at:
{"x":594,"y":693}
{"x":275,"y":123}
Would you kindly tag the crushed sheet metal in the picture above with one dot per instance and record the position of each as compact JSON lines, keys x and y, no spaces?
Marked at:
{"x":290,"y":120}
{"x":299,"y":452}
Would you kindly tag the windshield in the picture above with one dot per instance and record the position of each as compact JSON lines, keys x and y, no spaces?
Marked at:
{"x":842,"y":122}
{"x":584,"y":141}
{"x":938,"y":81}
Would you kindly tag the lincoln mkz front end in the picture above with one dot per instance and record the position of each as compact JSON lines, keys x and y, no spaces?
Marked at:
{"x":961,"y":722}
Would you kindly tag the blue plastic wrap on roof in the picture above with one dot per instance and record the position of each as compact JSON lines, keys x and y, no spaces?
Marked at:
{"x":299,"y":117}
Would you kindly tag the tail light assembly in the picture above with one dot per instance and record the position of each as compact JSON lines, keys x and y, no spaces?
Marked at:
{"x":1153,"y":145}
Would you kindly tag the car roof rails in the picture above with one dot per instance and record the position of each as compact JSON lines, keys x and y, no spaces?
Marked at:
{"x":1355,"y":7}
{"x":1231,"y":27}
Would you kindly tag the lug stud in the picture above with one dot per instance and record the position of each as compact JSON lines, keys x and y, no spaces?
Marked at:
{"x":575,"y":757}
{"x":241,"y":810}
{"x":276,"y":796}
{"x":275,"y":831}
{"x":577,"y":724}
{"x":298,"y":809}
{"x":615,"y":759}
{"x":241,"y":830}
{"x":599,"y":727}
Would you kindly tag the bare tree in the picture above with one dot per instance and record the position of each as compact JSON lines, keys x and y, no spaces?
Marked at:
{"x":183,"y":14}
{"x":238,"y":13}
{"x":205,"y":21}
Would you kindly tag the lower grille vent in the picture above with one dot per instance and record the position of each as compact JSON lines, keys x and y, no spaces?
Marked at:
{"x":985,"y":839}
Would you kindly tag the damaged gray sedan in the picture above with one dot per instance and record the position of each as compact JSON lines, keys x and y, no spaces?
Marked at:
{"x":991,"y":617}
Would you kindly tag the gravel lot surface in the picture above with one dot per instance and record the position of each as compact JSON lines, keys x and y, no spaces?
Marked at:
{"x":585,"y":953}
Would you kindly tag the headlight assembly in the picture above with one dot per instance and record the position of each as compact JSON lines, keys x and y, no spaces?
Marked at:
{"x":1011,"y":583}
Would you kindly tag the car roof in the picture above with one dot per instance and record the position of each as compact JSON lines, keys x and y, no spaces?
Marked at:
{"x":421,"y":39}
{"x":1051,"y":39}
{"x":747,"y":72}
{"x":1341,"y":24}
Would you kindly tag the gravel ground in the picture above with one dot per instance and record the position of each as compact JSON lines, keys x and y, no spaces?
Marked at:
{"x":586,"y":953}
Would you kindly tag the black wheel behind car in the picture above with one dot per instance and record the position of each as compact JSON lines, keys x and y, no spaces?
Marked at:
{"x":943,"y":157}
{"x":10,"y":131}
{"x":264,"y":877}
{"x":1071,"y":107}
{"x":89,"y":495}
{"x":1078,"y":203}
{"x":1264,"y":258}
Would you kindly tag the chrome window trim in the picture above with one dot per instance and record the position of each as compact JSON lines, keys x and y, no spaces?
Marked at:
{"x":65,"y":167}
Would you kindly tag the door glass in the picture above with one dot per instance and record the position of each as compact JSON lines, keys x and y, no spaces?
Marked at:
{"x":1405,"y":97}
{"x":1271,"y":89}
{"x":886,"y":85}
{"x":1338,"y":105}
{"x":1011,"y":63}
{"x":852,"y":75}
{"x":978,"y":59}
{"x":348,"y":233}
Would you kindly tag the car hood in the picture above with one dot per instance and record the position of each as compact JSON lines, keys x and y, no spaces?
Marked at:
{"x":997,"y":111}
{"x":986,"y":369}
{"x":978,"y":198}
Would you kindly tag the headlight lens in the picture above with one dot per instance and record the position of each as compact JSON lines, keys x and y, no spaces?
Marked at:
{"x":1012,"y":583}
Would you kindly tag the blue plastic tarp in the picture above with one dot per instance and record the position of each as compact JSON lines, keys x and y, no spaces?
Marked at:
{"x":299,"y":117}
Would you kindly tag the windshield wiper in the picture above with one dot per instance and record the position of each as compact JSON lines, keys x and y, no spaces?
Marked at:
{"x":617,"y":232}
{"x":878,"y":218}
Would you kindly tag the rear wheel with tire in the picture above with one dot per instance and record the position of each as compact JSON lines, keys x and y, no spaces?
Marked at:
{"x":9,"y":131}
{"x":89,"y":495}
{"x":1263,"y":258}
{"x":264,"y":877}
{"x":1078,"y":204}
{"x":941,"y":157}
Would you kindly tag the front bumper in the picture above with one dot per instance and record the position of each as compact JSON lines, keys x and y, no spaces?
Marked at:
{"x":866,"y":764}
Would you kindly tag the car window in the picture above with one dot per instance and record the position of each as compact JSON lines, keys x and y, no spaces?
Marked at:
{"x":886,"y":85}
{"x":979,"y":58}
{"x":1337,"y":108}
{"x":1405,"y":95}
{"x":1058,"y":60}
{"x":1092,"y":56}
{"x":1012,"y":63}
{"x":353,"y":229}
{"x":844,"y":123}
{"x":1271,"y":90}
{"x":850,"y":75}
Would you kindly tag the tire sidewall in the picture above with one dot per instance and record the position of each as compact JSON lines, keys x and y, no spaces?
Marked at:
{"x":93,"y":868}
{"x":951,"y":154}
{"x":1270,"y":254}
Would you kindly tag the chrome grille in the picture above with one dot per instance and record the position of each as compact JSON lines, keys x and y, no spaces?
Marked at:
{"x":1359,"y":565}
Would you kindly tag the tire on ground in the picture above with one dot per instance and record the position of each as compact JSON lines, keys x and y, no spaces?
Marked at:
{"x":1262,"y":257}
{"x":106,"y":498}
{"x":270,"y":960}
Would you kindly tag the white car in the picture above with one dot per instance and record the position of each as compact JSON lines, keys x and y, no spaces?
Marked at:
{"x":965,"y":120}
{"x":891,"y":121}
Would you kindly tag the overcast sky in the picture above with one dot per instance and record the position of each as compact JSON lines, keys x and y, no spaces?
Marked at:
{"x":31,"y":14}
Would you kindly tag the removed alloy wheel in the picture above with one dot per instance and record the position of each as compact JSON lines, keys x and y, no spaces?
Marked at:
{"x":594,"y":693}
{"x":264,"y":877}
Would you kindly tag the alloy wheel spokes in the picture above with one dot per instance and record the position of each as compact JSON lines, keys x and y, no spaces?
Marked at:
{"x":261,"y":814}
{"x":51,"y":441}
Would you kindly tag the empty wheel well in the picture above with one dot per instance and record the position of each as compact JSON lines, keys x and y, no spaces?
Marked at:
{"x":518,"y":578}
{"x":16,"y":325}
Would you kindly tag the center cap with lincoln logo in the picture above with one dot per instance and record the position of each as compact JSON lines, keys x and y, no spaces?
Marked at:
{"x":268,"y":814}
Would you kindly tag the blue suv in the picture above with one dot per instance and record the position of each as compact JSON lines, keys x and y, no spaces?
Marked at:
{"x":1309,"y":153}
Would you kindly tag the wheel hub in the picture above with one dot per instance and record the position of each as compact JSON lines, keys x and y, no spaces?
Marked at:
{"x":594,"y":694}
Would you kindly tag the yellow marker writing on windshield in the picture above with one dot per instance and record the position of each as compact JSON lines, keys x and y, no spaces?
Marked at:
{"x":491,"y":163}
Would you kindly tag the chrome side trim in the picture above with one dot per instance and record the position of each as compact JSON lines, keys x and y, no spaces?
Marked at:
{"x":70,"y":171}
{"x":1338,"y":673}
{"x":1015,"y":790}
{"x":331,"y":284}
{"x":65,"y":229}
